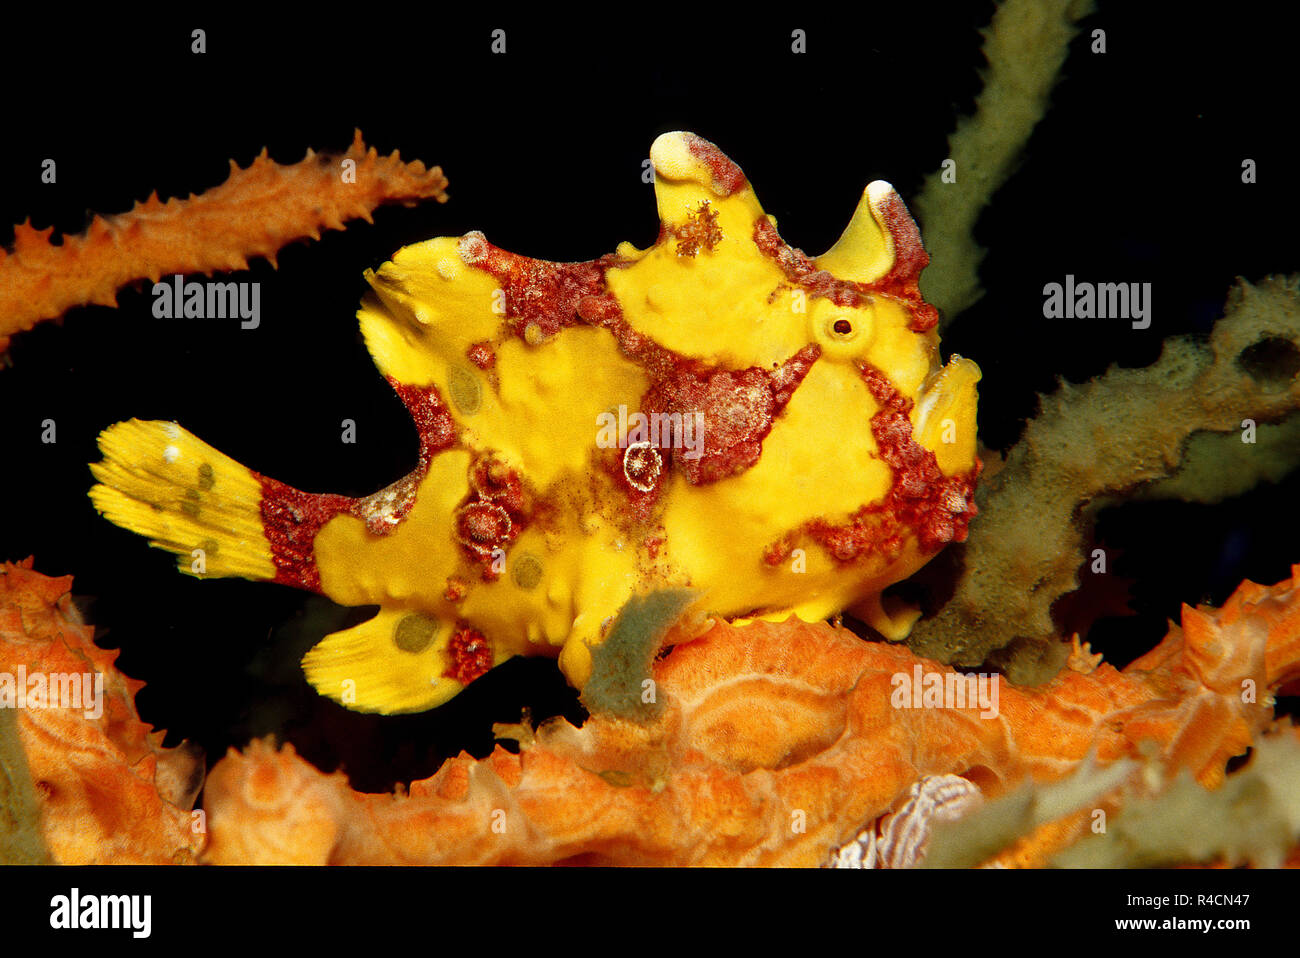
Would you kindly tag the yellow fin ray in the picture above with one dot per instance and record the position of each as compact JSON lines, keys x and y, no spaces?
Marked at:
{"x":391,"y":664}
{"x":160,"y":481}
{"x":894,"y":623}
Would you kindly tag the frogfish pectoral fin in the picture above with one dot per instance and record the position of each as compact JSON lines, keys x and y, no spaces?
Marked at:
{"x":891,"y":617}
{"x":160,"y":481}
{"x":399,"y":661}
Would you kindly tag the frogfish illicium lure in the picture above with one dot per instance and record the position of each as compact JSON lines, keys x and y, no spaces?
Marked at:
{"x":719,"y":412}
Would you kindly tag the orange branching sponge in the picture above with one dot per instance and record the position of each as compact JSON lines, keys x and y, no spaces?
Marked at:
{"x":776,"y":745}
{"x":105,"y":790}
{"x":254,"y":213}
{"x":1213,"y":673}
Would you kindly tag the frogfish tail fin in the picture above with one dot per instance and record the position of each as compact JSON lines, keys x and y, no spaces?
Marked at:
{"x":163,"y":482}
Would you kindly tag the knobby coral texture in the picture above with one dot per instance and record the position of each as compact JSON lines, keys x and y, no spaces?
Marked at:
{"x":255,"y":212}
{"x":83,"y":781}
{"x":782,"y":744}
{"x":779,"y":743}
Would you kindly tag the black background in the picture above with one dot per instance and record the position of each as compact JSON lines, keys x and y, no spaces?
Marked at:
{"x":1133,"y":176}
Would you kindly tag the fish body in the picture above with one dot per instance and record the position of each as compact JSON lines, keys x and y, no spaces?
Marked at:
{"x":718,"y":412}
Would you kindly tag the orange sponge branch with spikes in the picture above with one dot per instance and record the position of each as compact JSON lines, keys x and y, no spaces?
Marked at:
{"x":257,"y":211}
{"x":87,"y":780}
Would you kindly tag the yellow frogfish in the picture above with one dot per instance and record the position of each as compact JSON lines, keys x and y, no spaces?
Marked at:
{"x":718,"y":413}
